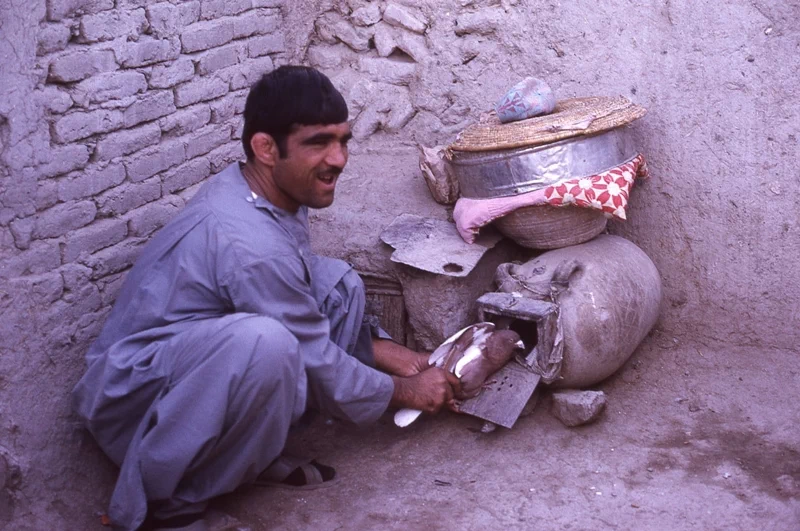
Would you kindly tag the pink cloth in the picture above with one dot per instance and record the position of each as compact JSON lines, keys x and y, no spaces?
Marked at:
{"x":607,"y":191}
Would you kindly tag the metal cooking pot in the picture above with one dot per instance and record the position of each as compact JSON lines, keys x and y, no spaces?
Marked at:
{"x":509,"y":172}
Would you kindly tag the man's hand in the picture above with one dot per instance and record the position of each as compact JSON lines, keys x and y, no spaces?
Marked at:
{"x":428,"y":390}
{"x":397,"y":360}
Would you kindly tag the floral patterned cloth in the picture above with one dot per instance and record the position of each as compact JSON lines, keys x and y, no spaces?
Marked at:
{"x":608,"y":192}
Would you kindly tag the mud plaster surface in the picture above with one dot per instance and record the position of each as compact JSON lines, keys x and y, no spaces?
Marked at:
{"x":688,"y":441}
{"x":692,"y":439}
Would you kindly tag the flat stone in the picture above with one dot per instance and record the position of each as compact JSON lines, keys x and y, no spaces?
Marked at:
{"x":575,"y":408}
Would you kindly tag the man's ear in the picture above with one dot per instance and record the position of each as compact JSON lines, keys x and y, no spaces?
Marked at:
{"x":265,"y":149}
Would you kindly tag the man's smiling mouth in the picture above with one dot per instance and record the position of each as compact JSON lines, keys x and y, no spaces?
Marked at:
{"x":328,"y":178}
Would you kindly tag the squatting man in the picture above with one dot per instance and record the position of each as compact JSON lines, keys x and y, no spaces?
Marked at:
{"x":228,"y":328}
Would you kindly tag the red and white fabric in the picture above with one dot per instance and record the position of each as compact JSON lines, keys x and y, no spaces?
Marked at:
{"x":608,"y":192}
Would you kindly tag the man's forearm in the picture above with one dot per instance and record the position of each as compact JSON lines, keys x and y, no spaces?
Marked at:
{"x":395,"y":359}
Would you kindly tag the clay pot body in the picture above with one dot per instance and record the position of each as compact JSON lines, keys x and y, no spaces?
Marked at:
{"x":609,"y":295}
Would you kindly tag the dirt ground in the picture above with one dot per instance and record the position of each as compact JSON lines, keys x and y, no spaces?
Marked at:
{"x":693,"y":438}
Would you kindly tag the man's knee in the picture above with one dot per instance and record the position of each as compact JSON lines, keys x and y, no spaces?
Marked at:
{"x":264,"y":346}
{"x":352,"y":289}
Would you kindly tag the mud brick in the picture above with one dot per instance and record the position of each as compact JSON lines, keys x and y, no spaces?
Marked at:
{"x":205,"y":35}
{"x":167,"y":76}
{"x":80,"y":65}
{"x":127,"y":141}
{"x":213,"y":9}
{"x":115,"y":258}
{"x":60,"y":9}
{"x":258,"y":46}
{"x":108,"y":86}
{"x":145,"y":220}
{"x":41,"y":257}
{"x":98,"y":235}
{"x":149,"y":51}
{"x":110,"y":25}
{"x":128,"y":196}
{"x":152,"y":106}
{"x":150,"y":161}
{"x":250,"y":72}
{"x":186,"y":175}
{"x":64,"y":159}
{"x":186,"y":120}
{"x":78,"y":125}
{"x":218,"y":58}
{"x":256,"y":22}
{"x":203,"y":89}
{"x":85,"y":184}
{"x":63,"y":218}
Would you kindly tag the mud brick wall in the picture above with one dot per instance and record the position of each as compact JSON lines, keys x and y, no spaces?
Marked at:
{"x":114,"y":113}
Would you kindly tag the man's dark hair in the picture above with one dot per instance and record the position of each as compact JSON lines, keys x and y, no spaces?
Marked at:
{"x":289,"y":96}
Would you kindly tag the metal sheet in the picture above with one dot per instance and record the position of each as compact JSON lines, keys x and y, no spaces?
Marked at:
{"x":515,"y":171}
{"x":504,"y":396}
{"x":434,"y":245}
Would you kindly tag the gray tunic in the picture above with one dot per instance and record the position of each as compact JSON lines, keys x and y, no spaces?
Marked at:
{"x":225,"y":331}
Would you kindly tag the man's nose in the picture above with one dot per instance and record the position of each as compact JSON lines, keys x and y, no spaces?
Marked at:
{"x":337,"y":156}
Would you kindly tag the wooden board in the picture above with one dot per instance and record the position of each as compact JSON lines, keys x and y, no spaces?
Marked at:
{"x":385,"y":301}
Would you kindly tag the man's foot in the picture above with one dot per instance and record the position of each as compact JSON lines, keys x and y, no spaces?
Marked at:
{"x":211,"y":520}
{"x":309,"y":476}
{"x":183,"y":522}
{"x":312,"y":473}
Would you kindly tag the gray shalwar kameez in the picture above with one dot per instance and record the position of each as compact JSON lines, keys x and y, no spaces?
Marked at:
{"x":226,"y":329}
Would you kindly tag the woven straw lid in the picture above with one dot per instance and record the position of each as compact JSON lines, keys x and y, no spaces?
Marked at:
{"x":570,"y":118}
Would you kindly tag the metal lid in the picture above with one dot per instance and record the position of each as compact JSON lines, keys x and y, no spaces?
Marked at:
{"x":571,"y":118}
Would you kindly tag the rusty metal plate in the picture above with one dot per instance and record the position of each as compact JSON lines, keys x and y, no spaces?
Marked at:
{"x":504,"y":395}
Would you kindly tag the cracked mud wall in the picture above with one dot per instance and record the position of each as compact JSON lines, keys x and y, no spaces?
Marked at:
{"x":113,"y":111}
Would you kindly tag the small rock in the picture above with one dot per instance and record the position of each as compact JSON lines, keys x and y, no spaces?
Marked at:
{"x":367,"y":15}
{"x":488,"y":427}
{"x":398,"y":15}
{"x":574,"y":408}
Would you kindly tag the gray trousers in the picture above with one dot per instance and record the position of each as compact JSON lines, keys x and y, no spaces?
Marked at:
{"x":220,"y":415}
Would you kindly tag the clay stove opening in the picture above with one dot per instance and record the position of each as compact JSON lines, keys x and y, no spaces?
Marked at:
{"x":527,"y":330}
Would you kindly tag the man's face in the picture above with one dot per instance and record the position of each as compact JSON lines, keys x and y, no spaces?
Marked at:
{"x":315,"y":156}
